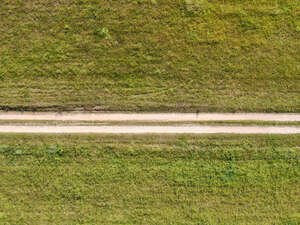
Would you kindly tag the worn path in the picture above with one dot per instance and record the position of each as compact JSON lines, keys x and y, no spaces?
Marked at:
{"x":160,"y":117}
{"x":193,"y":129}
{"x":152,"y":117}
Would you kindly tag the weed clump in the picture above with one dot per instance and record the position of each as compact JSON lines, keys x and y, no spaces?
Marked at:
{"x":103,"y":33}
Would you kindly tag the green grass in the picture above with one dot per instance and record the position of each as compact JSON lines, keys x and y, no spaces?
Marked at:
{"x":127,"y":179}
{"x":150,"y":55}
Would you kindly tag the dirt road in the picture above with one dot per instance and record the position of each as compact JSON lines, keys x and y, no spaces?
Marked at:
{"x":194,"y":129}
{"x":14,"y":117}
{"x":161,"y":117}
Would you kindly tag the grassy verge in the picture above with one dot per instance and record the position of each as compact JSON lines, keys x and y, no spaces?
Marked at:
{"x":169,"y":179}
{"x":150,"y":55}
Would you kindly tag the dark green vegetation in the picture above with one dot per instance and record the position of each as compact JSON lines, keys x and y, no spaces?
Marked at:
{"x":105,"y":179}
{"x":150,"y":55}
{"x":150,"y":123}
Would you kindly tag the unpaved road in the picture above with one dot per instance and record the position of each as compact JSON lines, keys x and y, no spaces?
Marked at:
{"x":155,"y":117}
{"x":149,"y":117}
{"x":193,"y":129}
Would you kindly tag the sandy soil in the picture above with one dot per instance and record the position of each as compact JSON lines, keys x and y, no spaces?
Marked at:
{"x":161,"y":117}
{"x":194,"y":129}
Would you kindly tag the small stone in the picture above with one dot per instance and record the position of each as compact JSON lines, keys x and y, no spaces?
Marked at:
{"x":98,"y":108}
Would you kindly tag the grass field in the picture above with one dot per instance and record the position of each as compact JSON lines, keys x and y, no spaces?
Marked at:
{"x":150,"y":55}
{"x":126,"y":179}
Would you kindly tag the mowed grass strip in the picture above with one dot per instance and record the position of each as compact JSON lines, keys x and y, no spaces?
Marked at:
{"x":150,"y":55}
{"x":149,"y":179}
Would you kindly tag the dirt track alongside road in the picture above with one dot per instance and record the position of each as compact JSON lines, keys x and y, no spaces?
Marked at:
{"x":161,"y":117}
{"x":194,"y":129}
{"x":150,"y":128}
